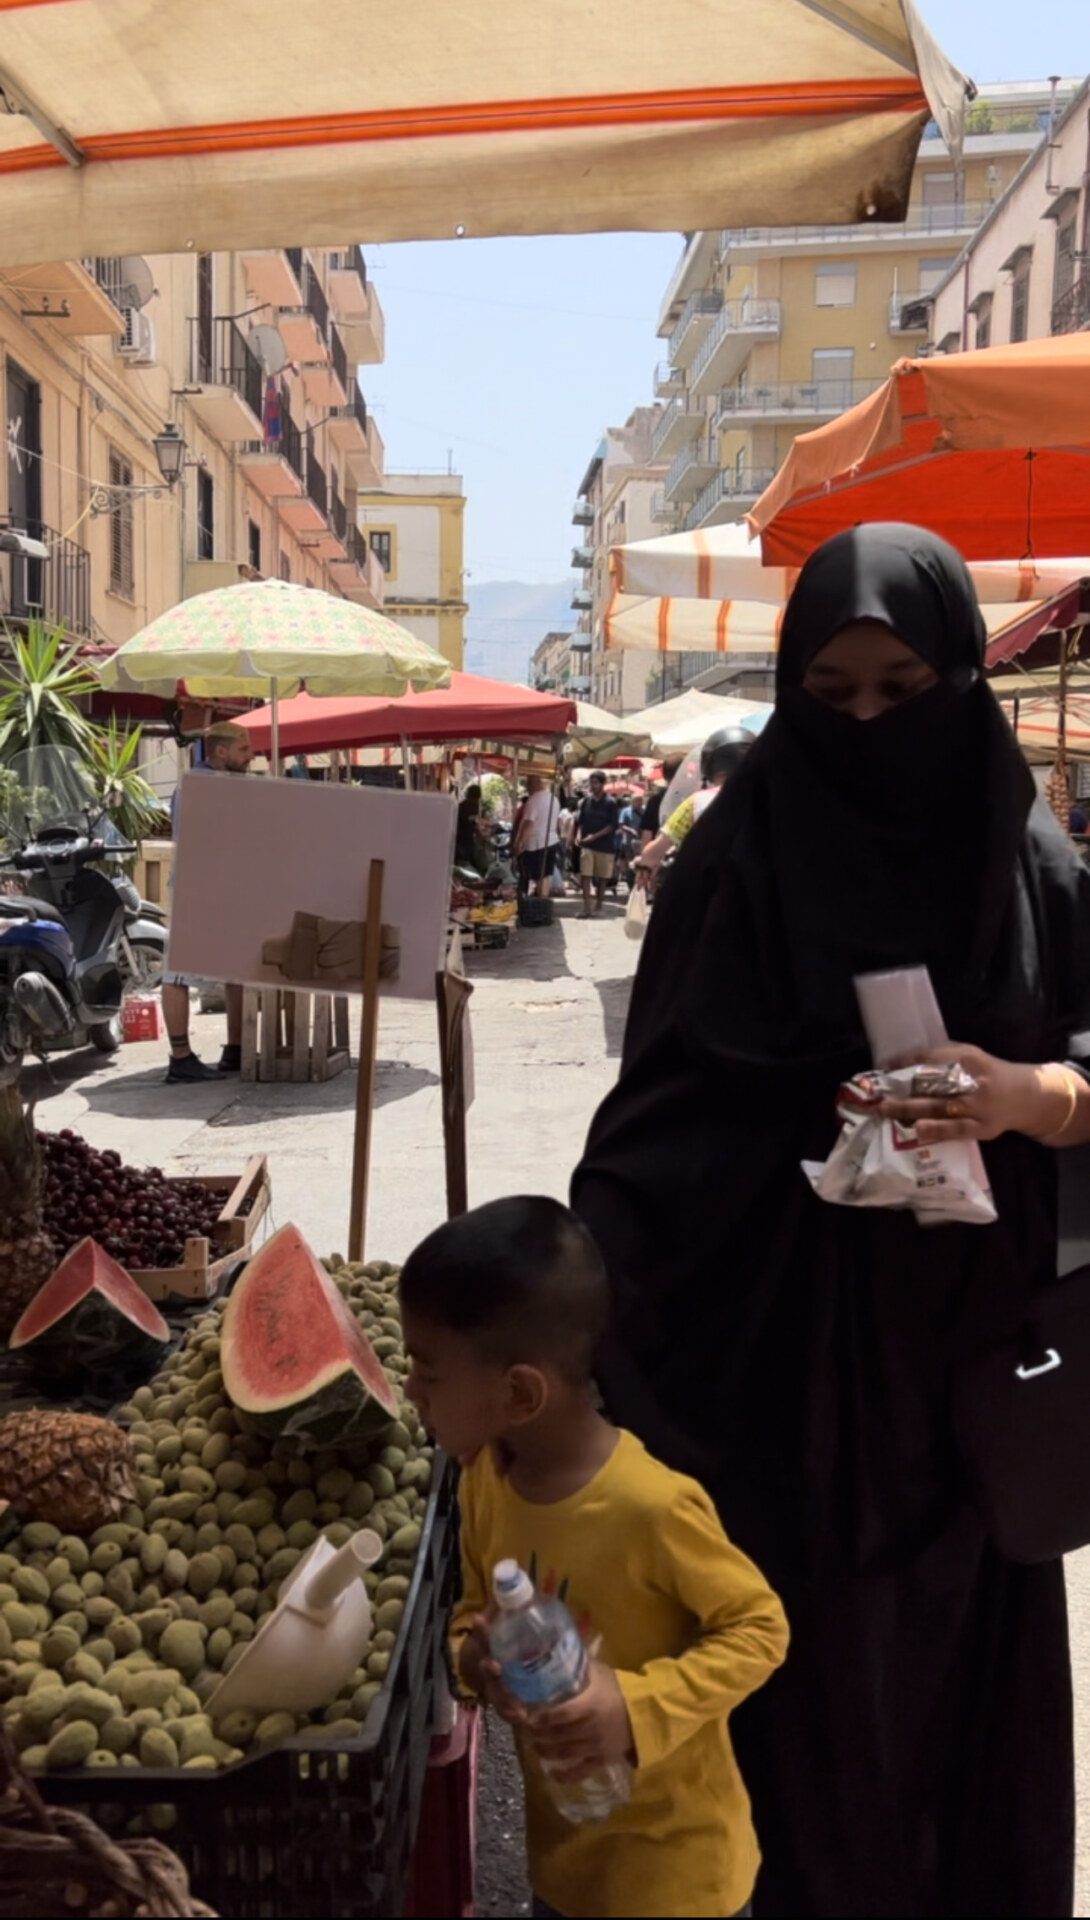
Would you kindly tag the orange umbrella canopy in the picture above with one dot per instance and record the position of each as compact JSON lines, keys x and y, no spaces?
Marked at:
{"x":991,"y":450}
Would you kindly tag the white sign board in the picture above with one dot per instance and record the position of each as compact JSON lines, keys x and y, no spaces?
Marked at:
{"x":252,"y":854}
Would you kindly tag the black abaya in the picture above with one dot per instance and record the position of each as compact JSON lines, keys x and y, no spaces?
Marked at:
{"x":914,"y":1756}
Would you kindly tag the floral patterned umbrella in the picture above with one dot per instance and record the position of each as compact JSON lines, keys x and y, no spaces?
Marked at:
{"x":270,"y":637}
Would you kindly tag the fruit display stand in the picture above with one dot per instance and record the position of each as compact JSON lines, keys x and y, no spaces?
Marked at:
{"x":206,"y":1262}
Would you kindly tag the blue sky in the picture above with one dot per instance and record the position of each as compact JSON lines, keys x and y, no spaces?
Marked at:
{"x":510,"y":356}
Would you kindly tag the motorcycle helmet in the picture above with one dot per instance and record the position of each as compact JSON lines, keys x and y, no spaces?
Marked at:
{"x":723,"y":752}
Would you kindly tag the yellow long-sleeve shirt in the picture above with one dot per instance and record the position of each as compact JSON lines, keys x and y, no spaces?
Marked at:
{"x":690,"y":1628}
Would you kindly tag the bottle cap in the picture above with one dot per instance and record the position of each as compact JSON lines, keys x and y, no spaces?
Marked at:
{"x":511,"y":1586}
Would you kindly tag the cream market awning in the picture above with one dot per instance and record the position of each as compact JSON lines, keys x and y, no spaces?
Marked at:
{"x":166,"y":125}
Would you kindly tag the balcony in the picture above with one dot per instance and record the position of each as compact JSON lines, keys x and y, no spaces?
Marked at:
{"x":57,"y":590}
{"x":579,"y":643}
{"x":357,"y":307}
{"x":1071,"y":312}
{"x":275,"y":468}
{"x":367,"y":467}
{"x":664,"y":512}
{"x":582,"y":557}
{"x":741,"y":325}
{"x":327,"y":381}
{"x":582,"y":600}
{"x":359,"y":575}
{"x":208,"y":576}
{"x":232,"y":385}
{"x":727,"y":496}
{"x":582,"y":514}
{"x":669,"y":380}
{"x":675,"y":428}
{"x":693,"y":468}
{"x":950,"y":221}
{"x":347,"y":425}
{"x":909,"y":312}
{"x":797,"y":401}
{"x":579,"y":686}
{"x":73,"y":291}
{"x":304,"y":329}
{"x":694,"y":325}
{"x":274,"y":275}
{"x":307,"y":512}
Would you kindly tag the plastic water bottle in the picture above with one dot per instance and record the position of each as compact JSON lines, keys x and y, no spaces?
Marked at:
{"x":537,"y":1644}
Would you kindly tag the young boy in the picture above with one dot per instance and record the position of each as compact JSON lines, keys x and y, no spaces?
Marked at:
{"x":503,"y":1310}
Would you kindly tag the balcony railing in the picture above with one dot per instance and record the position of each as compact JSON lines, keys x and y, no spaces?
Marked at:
{"x":295,"y":260}
{"x":677,"y":412}
{"x":668,"y":379}
{"x":582,"y":600}
{"x":737,"y":317}
{"x":807,"y":399}
{"x":582,"y":557}
{"x":708,"y":301}
{"x":220,"y":357}
{"x":962,"y":216}
{"x":663,"y":511}
{"x":291,"y":442}
{"x":315,"y":301}
{"x":57,"y":590}
{"x":909,"y":312}
{"x":338,"y":514}
{"x":317,"y":488}
{"x":105,"y":271}
{"x":582,"y":514}
{"x":339,"y":356}
{"x":1071,"y":312}
{"x":357,"y":548}
{"x":702,"y":453}
{"x":747,"y":483}
{"x":350,"y":261}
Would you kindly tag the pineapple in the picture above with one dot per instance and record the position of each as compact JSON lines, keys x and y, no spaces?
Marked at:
{"x":69,"y":1468}
{"x":27,"y":1257}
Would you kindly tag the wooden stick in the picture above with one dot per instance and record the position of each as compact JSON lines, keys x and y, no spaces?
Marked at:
{"x":365,"y":1083}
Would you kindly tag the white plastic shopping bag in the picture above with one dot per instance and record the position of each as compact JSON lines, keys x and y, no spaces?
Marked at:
{"x":635,"y":916}
{"x":881,"y":1163}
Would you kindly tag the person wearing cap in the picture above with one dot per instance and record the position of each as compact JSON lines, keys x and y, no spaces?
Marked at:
{"x":227,"y":749}
{"x":721,"y":756}
{"x":596,"y":830}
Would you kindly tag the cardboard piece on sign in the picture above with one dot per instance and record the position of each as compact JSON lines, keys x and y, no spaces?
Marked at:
{"x":253,"y":853}
{"x":329,"y":953}
{"x":453,"y":993}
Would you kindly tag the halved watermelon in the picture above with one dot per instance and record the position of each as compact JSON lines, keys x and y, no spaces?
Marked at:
{"x":294,"y":1358}
{"x":91,"y":1321}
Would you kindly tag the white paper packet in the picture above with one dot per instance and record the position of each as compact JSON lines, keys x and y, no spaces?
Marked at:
{"x":881,"y":1163}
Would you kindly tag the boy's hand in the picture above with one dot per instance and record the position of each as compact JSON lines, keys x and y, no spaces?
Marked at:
{"x":586,"y":1733}
{"x":484,"y":1676}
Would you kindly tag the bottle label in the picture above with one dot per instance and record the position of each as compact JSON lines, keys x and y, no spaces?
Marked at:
{"x":557,"y":1673}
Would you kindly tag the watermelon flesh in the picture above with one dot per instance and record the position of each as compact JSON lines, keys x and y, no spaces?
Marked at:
{"x":91,"y":1321}
{"x":295,"y":1359}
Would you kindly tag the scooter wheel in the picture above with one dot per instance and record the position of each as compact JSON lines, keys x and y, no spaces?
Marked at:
{"x":106,"y":1035}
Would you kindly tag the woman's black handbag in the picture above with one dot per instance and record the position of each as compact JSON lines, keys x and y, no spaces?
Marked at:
{"x":1021,"y":1407}
{"x":1022,"y":1418}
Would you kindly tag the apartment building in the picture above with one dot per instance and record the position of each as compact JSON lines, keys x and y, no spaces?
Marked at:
{"x":551,"y":667}
{"x":771,"y":331}
{"x":1024,"y":273}
{"x":614,"y":504}
{"x":234,"y":373}
{"x":414,"y":527}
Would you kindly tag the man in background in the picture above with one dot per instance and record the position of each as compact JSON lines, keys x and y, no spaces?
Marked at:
{"x":538,"y":837}
{"x":597,"y":834}
{"x":227,"y":749}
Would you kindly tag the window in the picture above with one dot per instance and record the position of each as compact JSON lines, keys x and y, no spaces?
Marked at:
{"x":834,"y":283}
{"x":1020,"y":303}
{"x":204,"y":316}
{"x":940,"y":194}
{"x":381,"y":542}
{"x":285,"y":567}
{"x":121,"y":541}
{"x":206,"y":516}
{"x":984,"y":327}
{"x":833,"y":370}
{"x":933,"y":269}
{"x":255,"y":546}
{"x":1063,"y":272}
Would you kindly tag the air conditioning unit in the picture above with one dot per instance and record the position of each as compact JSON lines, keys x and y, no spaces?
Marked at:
{"x":137,"y":343}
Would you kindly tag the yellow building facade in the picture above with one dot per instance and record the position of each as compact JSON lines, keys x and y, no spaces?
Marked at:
{"x":414,"y":527}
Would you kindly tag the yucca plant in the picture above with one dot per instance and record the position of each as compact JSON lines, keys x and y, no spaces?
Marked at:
{"x":40,"y":684}
{"x":132,"y":804}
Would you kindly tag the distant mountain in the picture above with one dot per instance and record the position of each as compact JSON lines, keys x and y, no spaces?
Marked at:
{"x":507,"y":619}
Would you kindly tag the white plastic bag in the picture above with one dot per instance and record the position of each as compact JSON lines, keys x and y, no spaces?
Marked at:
{"x":635,"y":914}
{"x":881,"y":1163}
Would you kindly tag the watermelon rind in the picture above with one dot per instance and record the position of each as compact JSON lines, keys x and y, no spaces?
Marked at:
{"x":108,"y":1333}
{"x":283,"y":1300}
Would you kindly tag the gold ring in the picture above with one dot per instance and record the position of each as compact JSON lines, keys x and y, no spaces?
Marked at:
{"x":955,"y":1110}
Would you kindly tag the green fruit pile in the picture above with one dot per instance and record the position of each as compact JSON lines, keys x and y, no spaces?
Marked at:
{"x":111,"y":1646}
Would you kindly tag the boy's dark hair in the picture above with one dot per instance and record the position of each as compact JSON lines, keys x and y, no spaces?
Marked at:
{"x":522,"y":1278}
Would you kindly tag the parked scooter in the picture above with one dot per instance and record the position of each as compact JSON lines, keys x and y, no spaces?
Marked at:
{"x":77,"y":939}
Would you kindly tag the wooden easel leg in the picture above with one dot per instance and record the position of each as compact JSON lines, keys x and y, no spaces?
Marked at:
{"x":365,"y":1083}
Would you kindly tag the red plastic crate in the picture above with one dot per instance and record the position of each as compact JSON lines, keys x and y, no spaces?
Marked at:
{"x":441,"y":1874}
{"x":142,"y":1019}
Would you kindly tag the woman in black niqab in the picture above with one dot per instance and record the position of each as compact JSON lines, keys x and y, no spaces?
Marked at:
{"x":914,"y":1756}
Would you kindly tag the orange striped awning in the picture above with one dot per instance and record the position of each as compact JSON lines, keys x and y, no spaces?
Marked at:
{"x":162,"y":125}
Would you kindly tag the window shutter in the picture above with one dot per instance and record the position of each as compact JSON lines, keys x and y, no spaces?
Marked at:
{"x":122,"y":576}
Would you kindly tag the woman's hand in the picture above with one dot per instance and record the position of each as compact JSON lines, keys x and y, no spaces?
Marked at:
{"x":1010,"y":1098}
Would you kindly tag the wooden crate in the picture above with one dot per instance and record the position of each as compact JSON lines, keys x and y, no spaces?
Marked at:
{"x":288,"y":1035}
{"x":245,"y":1202}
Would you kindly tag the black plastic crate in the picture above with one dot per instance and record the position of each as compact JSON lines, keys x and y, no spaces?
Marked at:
{"x":535,"y":912}
{"x":313,"y":1827}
